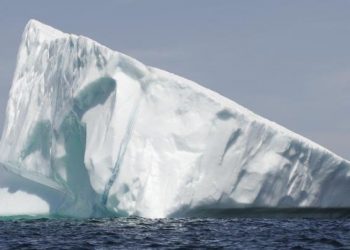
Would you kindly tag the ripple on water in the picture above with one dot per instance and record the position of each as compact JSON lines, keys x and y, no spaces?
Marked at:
{"x":124,"y":233}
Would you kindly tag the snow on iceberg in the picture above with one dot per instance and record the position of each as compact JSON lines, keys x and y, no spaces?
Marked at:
{"x":92,"y":132}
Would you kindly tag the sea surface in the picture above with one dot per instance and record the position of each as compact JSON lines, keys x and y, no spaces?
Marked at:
{"x":136,"y":233}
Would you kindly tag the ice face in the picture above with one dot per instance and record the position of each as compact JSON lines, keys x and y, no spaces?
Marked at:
{"x":92,"y":132}
{"x":95,"y":93}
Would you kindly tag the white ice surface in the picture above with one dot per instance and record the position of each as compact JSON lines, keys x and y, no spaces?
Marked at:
{"x":113,"y":136}
{"x":21,"y":203}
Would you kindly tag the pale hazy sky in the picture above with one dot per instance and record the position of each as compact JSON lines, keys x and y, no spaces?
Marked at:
{"x":286,"y":60}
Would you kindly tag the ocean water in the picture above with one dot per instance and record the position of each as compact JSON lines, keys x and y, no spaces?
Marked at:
{"x":136,"y":233}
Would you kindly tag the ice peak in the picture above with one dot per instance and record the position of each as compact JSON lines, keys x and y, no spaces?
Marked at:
{"x":36,"y":28}
{"x":35,"y":23}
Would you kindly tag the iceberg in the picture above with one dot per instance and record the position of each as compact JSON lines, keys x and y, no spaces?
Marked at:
{"x":92,"y":132}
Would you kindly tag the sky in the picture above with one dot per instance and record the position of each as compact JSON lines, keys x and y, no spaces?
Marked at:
{"x":288,"y":61}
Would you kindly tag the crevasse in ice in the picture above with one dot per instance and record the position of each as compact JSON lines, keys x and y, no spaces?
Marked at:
{"x":93,"y":132}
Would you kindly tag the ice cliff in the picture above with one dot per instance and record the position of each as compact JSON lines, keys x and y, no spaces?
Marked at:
{"x":93,"y":132}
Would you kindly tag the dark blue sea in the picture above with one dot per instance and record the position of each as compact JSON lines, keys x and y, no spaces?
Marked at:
{"x":136,"y":233}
